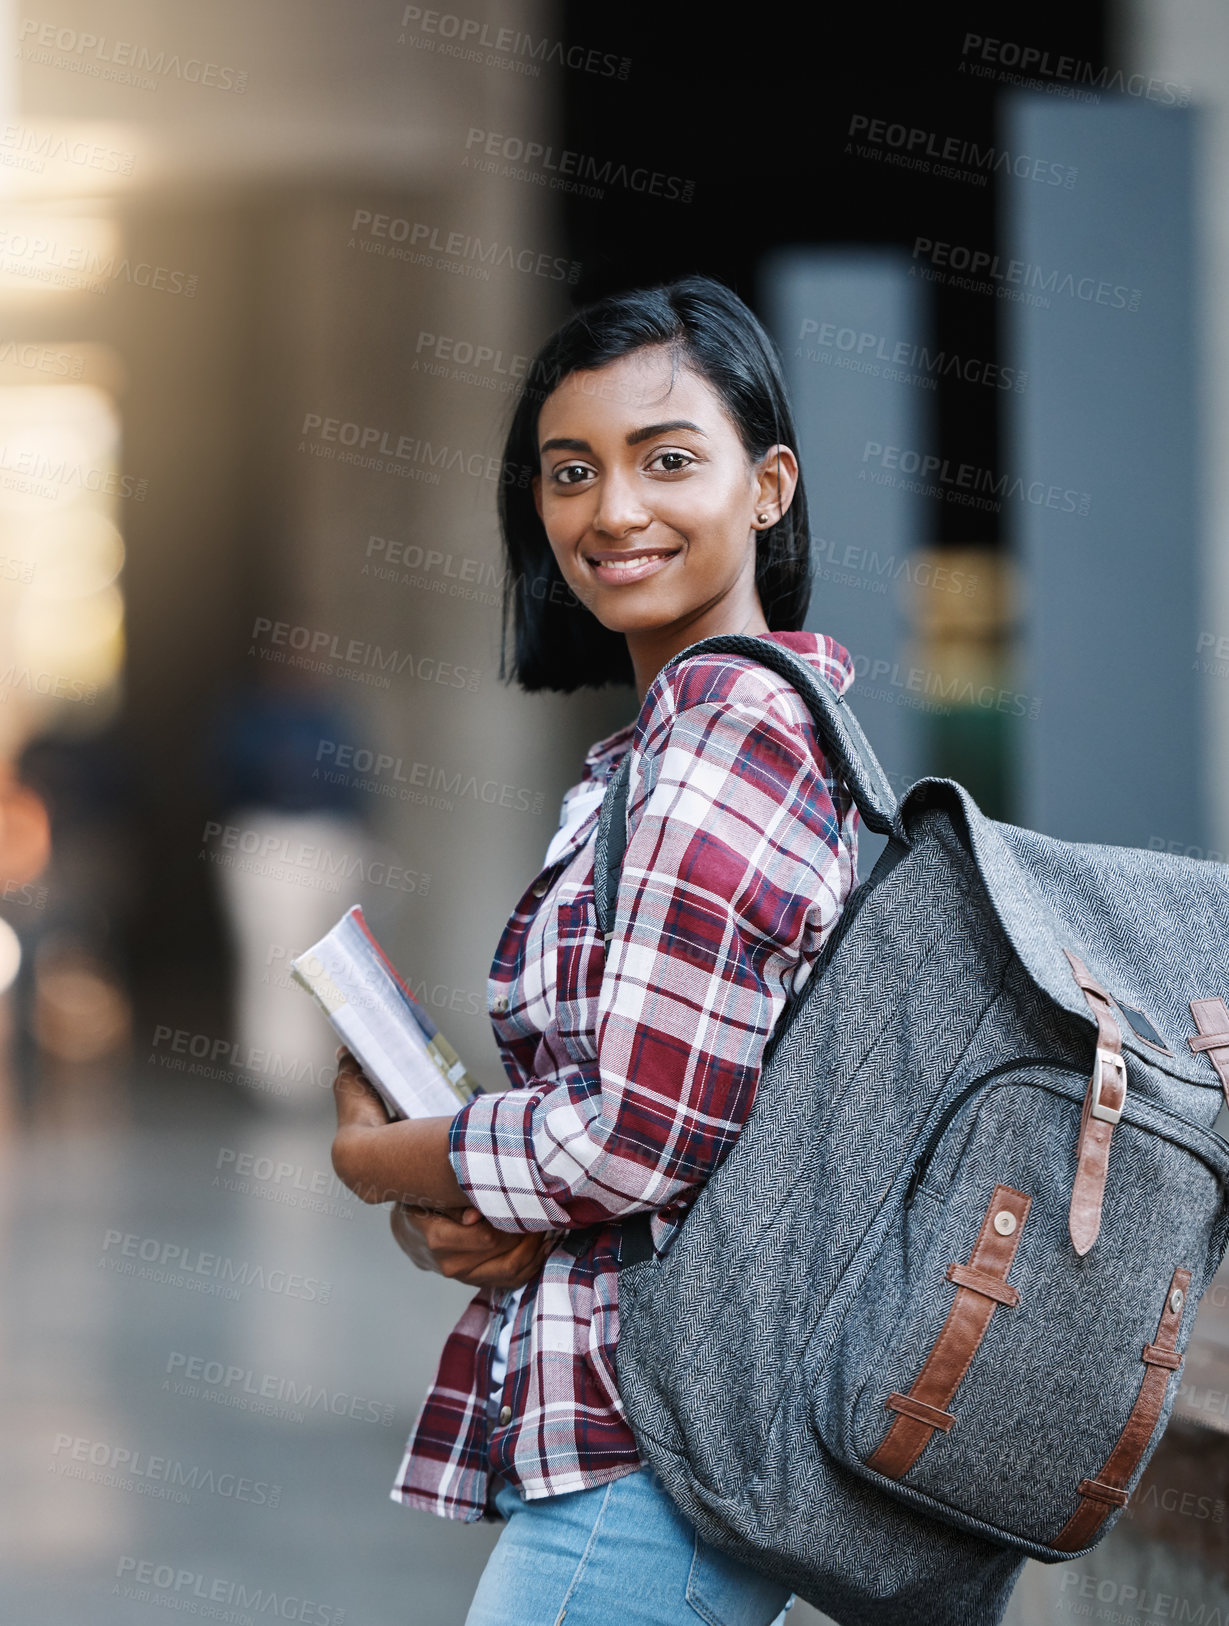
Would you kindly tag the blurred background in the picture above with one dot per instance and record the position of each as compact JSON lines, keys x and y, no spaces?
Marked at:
{"x":269,"y":277}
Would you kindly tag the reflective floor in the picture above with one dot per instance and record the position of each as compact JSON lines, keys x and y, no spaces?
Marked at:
{"x":210,"y":1355}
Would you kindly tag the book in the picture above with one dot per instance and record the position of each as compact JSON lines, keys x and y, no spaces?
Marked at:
{"x":414,"y":1069}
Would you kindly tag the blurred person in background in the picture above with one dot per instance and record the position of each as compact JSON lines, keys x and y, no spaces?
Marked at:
{"x":272,"y":789}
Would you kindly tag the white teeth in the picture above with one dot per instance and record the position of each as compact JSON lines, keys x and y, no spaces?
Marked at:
{"x":626,"y":564}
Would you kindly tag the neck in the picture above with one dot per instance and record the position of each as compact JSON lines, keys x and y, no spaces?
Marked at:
{"x":651,"y":648}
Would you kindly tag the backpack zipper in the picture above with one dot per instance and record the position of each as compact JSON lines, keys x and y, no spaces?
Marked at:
{"x":924,"y":1157}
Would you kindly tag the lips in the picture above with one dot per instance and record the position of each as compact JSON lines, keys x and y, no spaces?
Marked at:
{"x":625,"y":557}
{"x":619,"y":567}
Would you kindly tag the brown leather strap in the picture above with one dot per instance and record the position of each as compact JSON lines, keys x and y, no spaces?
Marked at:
{"x":980,"y":1282}
{"x":1109,"y":1487}
{"x":930,"y":1415}
{"x":1212,"y":1020}
{"x":913,"y":1427}
{"x":1103,"y":1103}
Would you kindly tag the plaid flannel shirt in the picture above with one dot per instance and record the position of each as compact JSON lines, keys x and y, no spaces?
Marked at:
{"x":633,"y":1066}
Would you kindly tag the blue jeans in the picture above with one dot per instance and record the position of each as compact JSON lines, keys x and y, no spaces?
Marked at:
{"x":619,"y":1552}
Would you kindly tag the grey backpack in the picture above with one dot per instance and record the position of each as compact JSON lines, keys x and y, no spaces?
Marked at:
{"x":927,"y":1317}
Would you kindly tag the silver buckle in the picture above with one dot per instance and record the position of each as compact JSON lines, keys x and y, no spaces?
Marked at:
{"x":1106,"y":1058}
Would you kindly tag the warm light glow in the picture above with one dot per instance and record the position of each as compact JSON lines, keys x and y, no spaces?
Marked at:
{"x":10,"y":956}
{"x":78,"y":637}
{"x":61,"y":607}
{"x":49,"y":254}
{"x":69,"y":158}
{"x":79,"y":552}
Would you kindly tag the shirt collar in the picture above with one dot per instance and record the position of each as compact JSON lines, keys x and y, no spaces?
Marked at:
{"x":831,"y":659}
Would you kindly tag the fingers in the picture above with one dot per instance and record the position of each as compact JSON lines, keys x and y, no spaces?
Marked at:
{"x":508,"y":1270}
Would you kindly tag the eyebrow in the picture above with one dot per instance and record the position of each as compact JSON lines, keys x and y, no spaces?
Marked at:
{"x":564,"y":444}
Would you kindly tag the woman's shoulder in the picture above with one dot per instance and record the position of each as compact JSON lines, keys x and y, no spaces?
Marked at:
{"x":741,"y":686}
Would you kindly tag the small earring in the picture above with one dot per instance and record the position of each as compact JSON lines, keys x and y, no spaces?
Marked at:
{"x":763,"y":518}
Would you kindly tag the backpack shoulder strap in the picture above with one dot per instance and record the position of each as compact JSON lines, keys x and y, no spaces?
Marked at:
{"x":845,"y":746}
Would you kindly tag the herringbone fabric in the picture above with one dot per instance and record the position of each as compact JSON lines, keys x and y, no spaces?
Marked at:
{"x":941,"y":1049}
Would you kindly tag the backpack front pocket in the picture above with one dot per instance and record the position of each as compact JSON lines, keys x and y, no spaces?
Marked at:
{"x":985,"y":1369}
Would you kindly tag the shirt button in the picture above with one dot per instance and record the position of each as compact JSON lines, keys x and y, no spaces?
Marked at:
{"x":540,"y":888}
{"x":499,"y":1004}
{"x":505,"y":1414}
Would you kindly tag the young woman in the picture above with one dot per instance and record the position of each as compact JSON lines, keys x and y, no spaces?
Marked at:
{"x":665,"y":506}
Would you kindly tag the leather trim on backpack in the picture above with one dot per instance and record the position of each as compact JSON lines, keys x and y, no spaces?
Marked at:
{"x":976,"y":1300}
{"x":1212,"y":1019}
{"x":1108,"y":1489}
{"x":1103,"y":1103}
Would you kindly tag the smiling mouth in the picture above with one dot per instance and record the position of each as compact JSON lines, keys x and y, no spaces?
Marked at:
{"x":628,"y":561}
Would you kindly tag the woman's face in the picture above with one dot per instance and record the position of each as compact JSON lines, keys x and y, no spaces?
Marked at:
{"x":650,"y":502}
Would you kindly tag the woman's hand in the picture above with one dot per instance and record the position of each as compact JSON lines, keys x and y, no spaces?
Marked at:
{"x":358,"y":1103}
{"x":467,"y":1248}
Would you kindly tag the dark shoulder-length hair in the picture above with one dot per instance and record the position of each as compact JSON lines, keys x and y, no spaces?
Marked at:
{"x":558,"y":643}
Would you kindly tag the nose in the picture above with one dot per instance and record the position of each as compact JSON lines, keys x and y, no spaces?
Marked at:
{"x":621,"y":509}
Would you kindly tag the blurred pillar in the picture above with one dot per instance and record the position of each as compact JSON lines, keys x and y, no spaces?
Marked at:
{"x":838,"y":317}
{"x":1098,"y":308}
{"x":1186,"y":50}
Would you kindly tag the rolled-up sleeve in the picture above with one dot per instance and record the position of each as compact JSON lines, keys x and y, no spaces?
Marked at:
{"x":741,"y":853}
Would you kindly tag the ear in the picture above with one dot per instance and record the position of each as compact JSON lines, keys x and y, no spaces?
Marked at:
{"x":536,"y":484}
{"x":776,"y":480}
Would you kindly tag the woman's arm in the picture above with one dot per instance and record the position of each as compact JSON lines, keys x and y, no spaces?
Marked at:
{"x":737,"y":867}
{"x":407,"y":1163}
{"x":382,"y":1161}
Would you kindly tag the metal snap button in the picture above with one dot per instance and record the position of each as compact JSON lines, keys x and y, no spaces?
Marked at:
{"x":505,"y":1414}
{"x":540,"y":888}
{"x":1176,"y":1300}
{"x":1004,"y":1222}
{"x":499,"y":1004}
